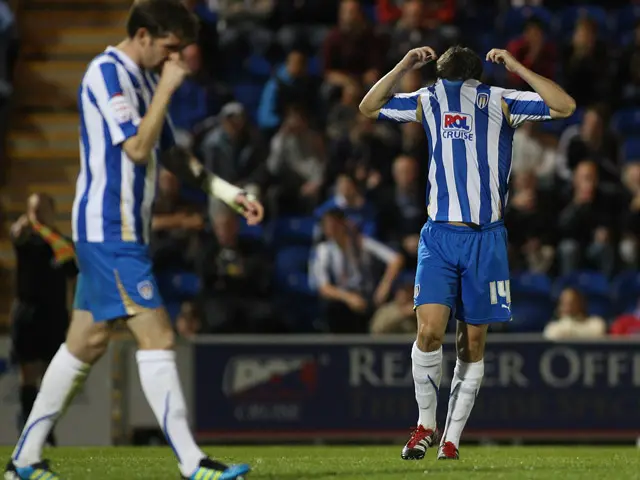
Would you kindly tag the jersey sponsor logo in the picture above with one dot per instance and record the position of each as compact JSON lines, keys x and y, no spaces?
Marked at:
{"x":482,"y":100}
{"x":145,"y":289}
{"x":416,"y":291}
{"x":121,"y":109}
{"x":456,"y":125}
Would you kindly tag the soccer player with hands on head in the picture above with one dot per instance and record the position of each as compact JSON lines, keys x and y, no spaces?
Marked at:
{"x":125,"y":132}
{"x":463,"y":270}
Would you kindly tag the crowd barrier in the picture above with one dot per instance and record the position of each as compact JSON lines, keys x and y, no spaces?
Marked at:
{"x":276,"y":388}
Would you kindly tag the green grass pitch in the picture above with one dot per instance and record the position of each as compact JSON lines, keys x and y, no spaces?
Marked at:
{"x":366,"y":462}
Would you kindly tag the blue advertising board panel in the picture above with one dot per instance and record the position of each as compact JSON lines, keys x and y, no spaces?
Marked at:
{"x":362,"y":388}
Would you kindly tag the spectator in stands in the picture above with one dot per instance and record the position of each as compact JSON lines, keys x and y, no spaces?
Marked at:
{"x":586,"y":224}
{"x":176,"y":226}
{"x":396,"y":316}
{"x":436,"y":11}
{"x":8,"y":59}
{"x":235,"y":151}
{"x":195,"y":100}
{"x":304,"y":23}
{"x":188,"y":323}
{"x":207,"y":36}
{"x":411,"y":31}
{"x":585,"y":65}
{"x":534,"y":51}
{"x":572,"y":319}
{"x":592,"y":140}
{"x":342,"y":116}
{"x":349,"y":198}
{"x":346,"y":270}
{"x":296,"y":162}
{"x":352,"y":51}
{"x":236,"y":274}
{"x":402,"y":208}
{"x":628,"y":73}
{"x":630,"y":225}
{"x":530,"y":219}
{"x":289,"y":86}
{"x":627,"y":323}
{"x":534,"y":152}
{"x":244,"y":27}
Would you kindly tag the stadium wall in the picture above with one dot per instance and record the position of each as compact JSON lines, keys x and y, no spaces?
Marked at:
{"x":308,"y":388}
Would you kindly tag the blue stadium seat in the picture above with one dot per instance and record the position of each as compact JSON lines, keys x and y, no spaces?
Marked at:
{"x":631,"y":149}
{"x":513,"y":21}
{"x":297,"y":283}
{"x":626,"y":121}
{"x":530,"y":284}
{"x":293,"y":231}
{"x":314,"y":64}
{"x":255,"y":232}
{"x":625,"y":291}
{"x":292,"y":260}
{"x":594,"y":285}
{"x":624,"y":20}
{"x":565,"y":22}
{"x":531,"y":304}
{"x":249,"y":95}
{"x":258,"y":66}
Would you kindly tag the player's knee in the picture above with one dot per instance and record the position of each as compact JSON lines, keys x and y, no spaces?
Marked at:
{"x":90,"y":347}
{"x":158,"y":339}
{"x":429,"y":339}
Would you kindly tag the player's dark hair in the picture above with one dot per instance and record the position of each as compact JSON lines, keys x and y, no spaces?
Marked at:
{"x":162,"y":18}
{"x":459,"y":63}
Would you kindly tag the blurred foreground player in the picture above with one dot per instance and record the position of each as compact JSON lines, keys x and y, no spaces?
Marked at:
{"x":123,"y":129}
{"x":462,"y":254}
{"x":40,"y":315}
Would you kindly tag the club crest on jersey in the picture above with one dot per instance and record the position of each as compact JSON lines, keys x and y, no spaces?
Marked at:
{"x":145,"y":289}
{"x":456,"y":125}
{"x":482,"y":100}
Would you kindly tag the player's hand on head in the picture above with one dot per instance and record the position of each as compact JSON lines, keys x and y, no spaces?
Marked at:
{"x":250,"y":208}
{"x":503,"y":57}
{"x":418,"y":58}
{"x":174,"y":71}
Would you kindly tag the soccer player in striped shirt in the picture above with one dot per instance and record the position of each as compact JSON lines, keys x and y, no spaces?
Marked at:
{"x":124,"y":128}
{"x":462,"y":255}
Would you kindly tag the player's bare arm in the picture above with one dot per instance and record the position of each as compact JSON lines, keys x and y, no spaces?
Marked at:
{"x":188,"y":169}
{"x":380,"y":93}
{"x":561,"y":104}
{"x":142,"y":143}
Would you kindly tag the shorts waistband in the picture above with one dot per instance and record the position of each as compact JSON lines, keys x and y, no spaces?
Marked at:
{"x":466,"y":229}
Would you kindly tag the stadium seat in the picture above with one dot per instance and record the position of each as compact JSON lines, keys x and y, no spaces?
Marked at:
{"x":565,"y":22}
{"x":626,"y":121}
{"x":293,"y":231}
{"x":513,"y":21}
{"x":631,"y":149}
{"x":594,"y":285}
{"x":258,"y":66}
{"x":292,"y":260}
{"x":531,"y":304}
{"x":251,"y":231}
{"x":624,"y":20}
{"x":530,"y":284}
{"x":249,"y":95}
{"x":314,"y":64}
{"x":625,"y":291}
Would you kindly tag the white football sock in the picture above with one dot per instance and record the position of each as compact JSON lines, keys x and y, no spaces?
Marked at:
{"x":62,"y":380}
{"x":427,"y":371}
{"x":161,"y":386}
{"x":465,"y":385}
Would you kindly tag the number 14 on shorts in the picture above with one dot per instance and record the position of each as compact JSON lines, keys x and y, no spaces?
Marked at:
{"x":500,"y":292}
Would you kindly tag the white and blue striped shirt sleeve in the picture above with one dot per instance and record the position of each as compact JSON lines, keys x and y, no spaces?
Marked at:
{"x":525,"y":106}
{"x":401,"y":108}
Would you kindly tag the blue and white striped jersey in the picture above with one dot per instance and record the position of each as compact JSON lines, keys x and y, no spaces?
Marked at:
{"x":114,"y":196}
{"x":470,"y":142}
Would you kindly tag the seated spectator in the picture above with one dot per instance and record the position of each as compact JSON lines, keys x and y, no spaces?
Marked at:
{"x":297,"y":162}
{"x":630,"y":218}
{"x":243,"y":27}
{"x":402,"y":208}
{"x":188,"y":323}
{"x":627,"y":323}
{"x":585,"y":65}
{"x":290,"y":85}
{"x":349,"y":198}
{"x":593,"y":140}
{"x":235,"y":150}
{"x":175,"y":227}
{"x":345,"y":269}
{"x":534,"y":152}
{"x":572,"y":320}
{"x":586,"y":224}
{"x":352,"y":51}
{"x":343,"y":115}
{"x":236,"y":277}
{"x":304,"y":23}
{"x":530,"y":220}
{"x":411,"y":32}
{"x":628,"y":73}
{"x":436,"y":11}
{"x":396,"y":316}
{"x":534,"y":51}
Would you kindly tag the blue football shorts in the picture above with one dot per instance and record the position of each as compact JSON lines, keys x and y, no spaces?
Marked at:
{"x":465,"y":269}
{"x":115,"y":281}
